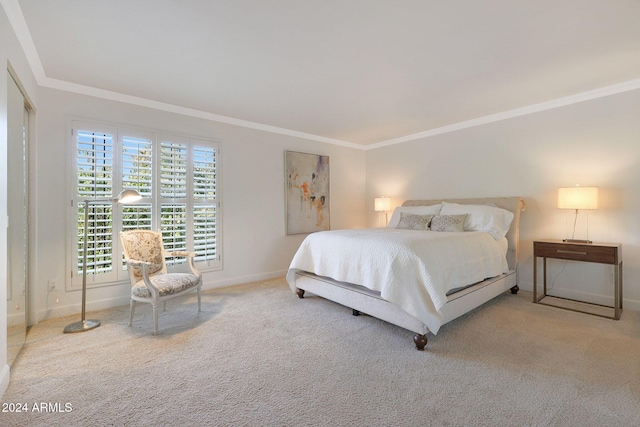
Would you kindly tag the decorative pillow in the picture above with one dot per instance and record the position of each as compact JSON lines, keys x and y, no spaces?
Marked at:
{"x":414,"y":222}
{"x":493,"y":220}
{"x":448,"y":223}
{"x":415,"y":210}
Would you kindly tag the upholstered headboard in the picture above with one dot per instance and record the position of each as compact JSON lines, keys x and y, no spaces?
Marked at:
{"x":512,"y":204}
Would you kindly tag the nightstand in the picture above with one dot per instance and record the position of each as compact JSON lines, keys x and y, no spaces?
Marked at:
{"x":602,"y":253}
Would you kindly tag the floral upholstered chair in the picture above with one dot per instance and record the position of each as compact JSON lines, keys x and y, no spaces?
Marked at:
{"x":150,"y":282}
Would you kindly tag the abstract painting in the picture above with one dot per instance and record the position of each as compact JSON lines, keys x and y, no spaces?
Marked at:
{"x":307,"y":192}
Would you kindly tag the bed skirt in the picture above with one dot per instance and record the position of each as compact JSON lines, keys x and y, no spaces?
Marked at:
{"x":367,"y":301}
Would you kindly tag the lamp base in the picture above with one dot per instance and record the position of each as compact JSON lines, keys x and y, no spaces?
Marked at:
{"x":577,"y":241}
{"x":81,"y":326}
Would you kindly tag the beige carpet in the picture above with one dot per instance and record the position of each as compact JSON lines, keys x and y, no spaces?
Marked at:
{"x":258,"y":356}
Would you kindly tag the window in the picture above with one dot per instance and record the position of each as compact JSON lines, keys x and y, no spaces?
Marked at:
{"x":177,"y":179}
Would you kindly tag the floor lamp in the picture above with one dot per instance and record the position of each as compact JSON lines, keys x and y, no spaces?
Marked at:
{"x":125,"y":196}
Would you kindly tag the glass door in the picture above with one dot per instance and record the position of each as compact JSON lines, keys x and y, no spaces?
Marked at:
{"x":17,"y":232}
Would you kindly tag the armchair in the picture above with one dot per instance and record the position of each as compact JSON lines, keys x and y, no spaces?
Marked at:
{"x":150,"y":282}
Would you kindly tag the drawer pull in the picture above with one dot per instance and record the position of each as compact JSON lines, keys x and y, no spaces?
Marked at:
{"x":562,"y":251}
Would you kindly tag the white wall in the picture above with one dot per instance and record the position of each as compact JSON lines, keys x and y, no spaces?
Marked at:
{"x":10,"y":54}
{"x":595,"y":142}
{"x":254,"y":240}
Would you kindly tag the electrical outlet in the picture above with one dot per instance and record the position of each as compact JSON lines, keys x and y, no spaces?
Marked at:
{"x":51,"y":285}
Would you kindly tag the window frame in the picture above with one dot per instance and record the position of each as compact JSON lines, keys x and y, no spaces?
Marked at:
{"x":118,"y":275}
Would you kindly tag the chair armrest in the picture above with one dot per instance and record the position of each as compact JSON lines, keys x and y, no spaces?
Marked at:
{"x":189,"y":255}
{"x":139,"y":264}
{"x":144,"y":267}
{"x":180,"y":254}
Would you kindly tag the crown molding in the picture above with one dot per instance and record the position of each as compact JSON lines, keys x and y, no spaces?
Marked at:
{"x":19,"y":25}
{"x":190,"y":112}
{"x":516,"y":112}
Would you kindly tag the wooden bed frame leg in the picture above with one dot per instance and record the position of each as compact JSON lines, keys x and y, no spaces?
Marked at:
{"x":355,"y":312}
{"x":300,"y":293}
{"x":515,"y":289}
{"x":420,"y":341}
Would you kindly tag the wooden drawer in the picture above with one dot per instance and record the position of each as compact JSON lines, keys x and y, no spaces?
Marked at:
{"x":604,"y":254}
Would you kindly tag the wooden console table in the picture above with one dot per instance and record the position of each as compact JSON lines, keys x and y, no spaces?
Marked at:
{"x":602,"y":253}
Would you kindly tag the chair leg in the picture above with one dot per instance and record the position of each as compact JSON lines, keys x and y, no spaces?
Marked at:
{"x":155,"y":319}
{"x":199,"y":299}
{"x":133,"y":308}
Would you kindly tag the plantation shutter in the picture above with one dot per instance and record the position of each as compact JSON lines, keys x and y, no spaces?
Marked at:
{"x":177,"y":179}
{"x":94,"y":180}
{"x":205,"y":203}
{"x":173,"y":194}
{"x":137,"y":165}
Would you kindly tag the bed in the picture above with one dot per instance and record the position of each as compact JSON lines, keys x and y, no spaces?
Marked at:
{"x":418,"y":280}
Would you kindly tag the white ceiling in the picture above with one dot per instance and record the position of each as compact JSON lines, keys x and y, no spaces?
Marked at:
{"x":359,"y":71}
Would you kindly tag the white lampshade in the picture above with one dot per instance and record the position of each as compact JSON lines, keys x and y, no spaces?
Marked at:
{"x":127,"y":196}
{"x":578,"y":198}
{"x":382,"y":204}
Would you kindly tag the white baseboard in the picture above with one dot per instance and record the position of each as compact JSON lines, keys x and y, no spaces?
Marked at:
{"x":71,"y":309}
{"x":242,"y":280}
{"x":607,"y":300}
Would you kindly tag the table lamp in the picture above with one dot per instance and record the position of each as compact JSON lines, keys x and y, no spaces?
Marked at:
{"x":578,"y":198}
{"x":383,"y":204}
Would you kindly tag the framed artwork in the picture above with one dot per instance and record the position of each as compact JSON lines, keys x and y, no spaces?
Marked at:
{"x":307,"y":192}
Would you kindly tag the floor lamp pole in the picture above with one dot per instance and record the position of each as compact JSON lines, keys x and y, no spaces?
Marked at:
{"x":83,"y":325}
{"x":125,"y":196}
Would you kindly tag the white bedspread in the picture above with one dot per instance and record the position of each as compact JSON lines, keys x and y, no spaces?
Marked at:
{"x":412,"y":269}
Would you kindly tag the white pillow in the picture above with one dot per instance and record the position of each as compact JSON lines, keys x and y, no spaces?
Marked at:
{"x":415,"y":210}
{"x":495,"y":221}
